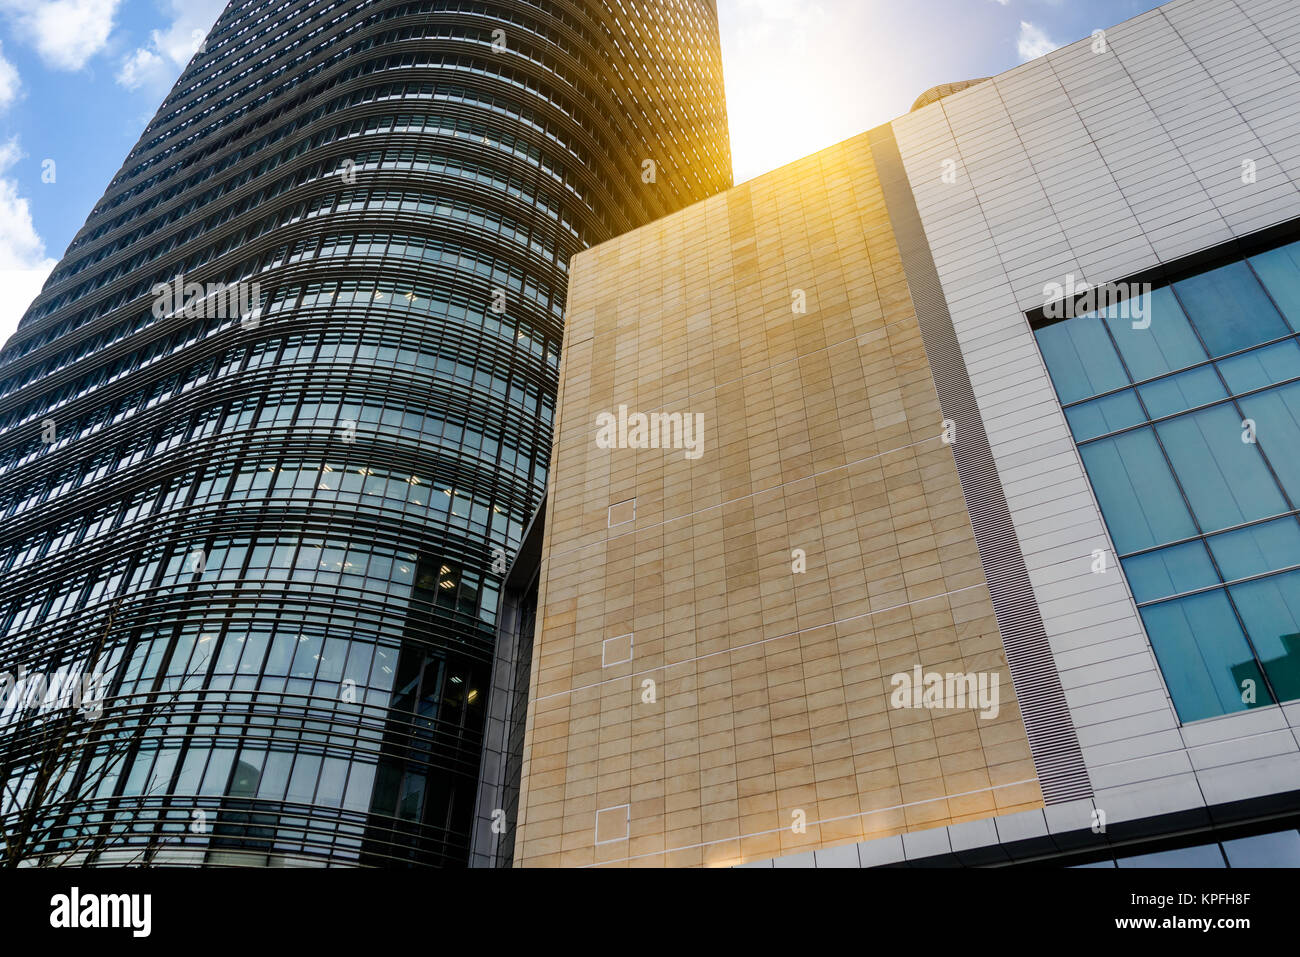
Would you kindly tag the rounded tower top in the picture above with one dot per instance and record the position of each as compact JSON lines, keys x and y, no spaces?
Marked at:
{"x":937,"y":93}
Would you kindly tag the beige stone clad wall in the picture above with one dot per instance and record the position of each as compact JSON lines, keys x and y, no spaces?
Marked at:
{"x":822,"y":432}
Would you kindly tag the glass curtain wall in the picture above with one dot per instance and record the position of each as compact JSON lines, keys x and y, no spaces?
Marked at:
{"x":1189,"y":428}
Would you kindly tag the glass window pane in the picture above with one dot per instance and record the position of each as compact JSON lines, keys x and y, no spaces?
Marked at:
{"x":1203,"y":855}
{"x":1138,"y":497}
{"x":1270,"y":608}
{"x":302,"y":786}
{"x":1170,"y":571}
{"x":1263,"y":367}
{"x":1203,"y":656}
{"x":334,"y":772}
{"x":1230,"y":309}
{"x":1225,"y":478}
{"x":1182,"y":392}
{"x":218,"y":774}
{"x":1166,"y":345}
{"x":248,"y":773}
{"x":360,"y":783}
{"x":275,"y":776}
{"x":1258,"y":549}
{"x":1114,"y":412}
{"x":1280,"y":271}
{"x":1081,"y":359}
{"x":1265,"y":850}
{"x":196,"y":758}
{"x":1277,"y":428}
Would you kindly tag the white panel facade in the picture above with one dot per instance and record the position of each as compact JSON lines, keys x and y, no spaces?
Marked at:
{"x":1103,"y":165}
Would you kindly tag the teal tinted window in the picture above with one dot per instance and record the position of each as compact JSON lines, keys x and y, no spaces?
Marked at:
{"x":1163,"y":340}
{"x":1280,"y":271}
{"x":1262,"y":367}
{"x":1281,"y":849}
{"x":1225,"y":479}
{"x":1109,"y":414}
{"x":1276,"y":414}
{"x":1270,"y":607}
{"x":1170,"y":571}
{"x":1142,"y":505}
{"x":1181,"y":392}
{"x":1081,"y":359}
{"x":1204,"y":656}
{"x":1186,"y":413}
{"x":1230,"y":309}
{"x":1204,"y":855}
{"x":1258,"y":549}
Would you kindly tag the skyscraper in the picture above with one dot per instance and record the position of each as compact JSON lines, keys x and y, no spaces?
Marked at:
{"x":273,"y":429}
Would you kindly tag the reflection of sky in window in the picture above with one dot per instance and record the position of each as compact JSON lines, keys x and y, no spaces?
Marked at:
{"x":1217,"y":456}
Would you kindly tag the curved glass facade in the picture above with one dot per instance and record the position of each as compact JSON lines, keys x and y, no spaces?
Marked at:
{"x":271,"y":521}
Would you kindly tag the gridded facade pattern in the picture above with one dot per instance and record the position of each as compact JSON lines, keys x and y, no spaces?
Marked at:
{"x":696,"y":695}
{"x":272,"y":528}
{"x":1187,"y":420}
{"x":1101,"y":166}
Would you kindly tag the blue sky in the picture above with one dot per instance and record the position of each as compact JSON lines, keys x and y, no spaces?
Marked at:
{"x":80,"y":78}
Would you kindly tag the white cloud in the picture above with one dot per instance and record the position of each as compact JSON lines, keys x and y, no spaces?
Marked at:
{"x":66,"y":33}
{"x":24,"y":266}
{"x":1003,"y":2}
{"x":141,"y":67}
{"x":9,"y":83}
{"x":157,"y":65}
{"x":1033,"y":42}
